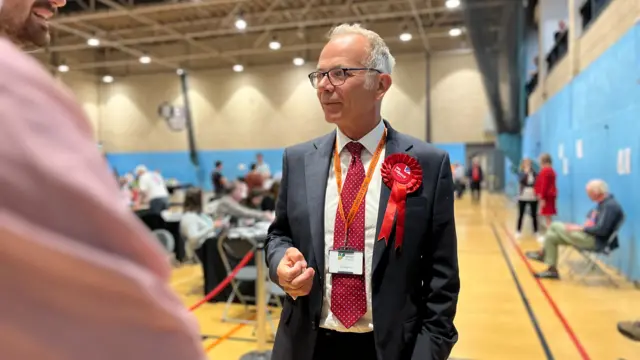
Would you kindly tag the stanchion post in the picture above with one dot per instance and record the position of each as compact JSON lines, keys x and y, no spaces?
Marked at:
{"x":261,"y":352}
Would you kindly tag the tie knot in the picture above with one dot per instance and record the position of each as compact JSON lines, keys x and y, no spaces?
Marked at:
{"x":355,"y":148}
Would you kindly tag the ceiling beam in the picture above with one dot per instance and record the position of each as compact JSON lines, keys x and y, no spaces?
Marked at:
{"x":204,"y":56}
{"x":293,"y":25}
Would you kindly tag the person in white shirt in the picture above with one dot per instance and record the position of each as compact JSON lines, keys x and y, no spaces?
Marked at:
{"x":153,"y":189}
{"x":262,"y":167}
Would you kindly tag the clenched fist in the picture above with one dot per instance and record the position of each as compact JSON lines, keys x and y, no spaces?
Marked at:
{"x":293,"y":274}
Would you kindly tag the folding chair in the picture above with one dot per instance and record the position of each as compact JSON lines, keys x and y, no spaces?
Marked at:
{"x":167,"y":241}
{"x":236,"y":247}
{"x":236,"y":243}
{"x":593,"y":258}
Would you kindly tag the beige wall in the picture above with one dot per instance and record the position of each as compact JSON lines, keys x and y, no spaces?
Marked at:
{"x":459,"y":102}
{"x":85,"y":89}
{"x":273,"y":107}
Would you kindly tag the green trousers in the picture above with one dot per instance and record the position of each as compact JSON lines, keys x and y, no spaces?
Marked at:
{"x":558,"y":235}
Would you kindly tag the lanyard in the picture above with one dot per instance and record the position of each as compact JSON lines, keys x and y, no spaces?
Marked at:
{"x":348,"y":220}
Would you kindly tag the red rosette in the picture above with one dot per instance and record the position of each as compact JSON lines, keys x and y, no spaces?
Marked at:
{"x":403,"y":175}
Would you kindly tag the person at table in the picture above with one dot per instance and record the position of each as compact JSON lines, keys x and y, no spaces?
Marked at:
{"x":218,"y":180}
{"x":195,"y":226}
{"x":230,"y":205}
{"x":393,"y":298}
{"x":153,"y":190}
{"x":594,"y":234}
{"x":82,"y":278}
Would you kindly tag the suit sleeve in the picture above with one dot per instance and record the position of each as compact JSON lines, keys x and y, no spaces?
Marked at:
{"x":440,"y":274}
{"x":279,"y":236}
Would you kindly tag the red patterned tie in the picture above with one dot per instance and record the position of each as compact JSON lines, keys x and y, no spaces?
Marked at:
{"x":348,"y":293}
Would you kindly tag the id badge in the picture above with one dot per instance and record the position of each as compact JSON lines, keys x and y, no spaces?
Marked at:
{"x":346,"y":262}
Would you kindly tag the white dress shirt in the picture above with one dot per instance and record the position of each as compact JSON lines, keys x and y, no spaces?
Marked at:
{"x":370,"y":142}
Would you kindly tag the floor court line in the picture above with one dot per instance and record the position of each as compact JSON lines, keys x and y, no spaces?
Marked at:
{"x":565,"y":323}
{"x":523,"y":296}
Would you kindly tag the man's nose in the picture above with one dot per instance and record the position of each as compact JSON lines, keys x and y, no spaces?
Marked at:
{"x":325,"y":84}
{"x":58,"y":3}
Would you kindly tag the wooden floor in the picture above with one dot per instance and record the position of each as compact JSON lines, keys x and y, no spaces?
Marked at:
{"x":501,"y":305}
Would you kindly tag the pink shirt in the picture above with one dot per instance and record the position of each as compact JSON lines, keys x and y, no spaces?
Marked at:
{"x":80,"y":276}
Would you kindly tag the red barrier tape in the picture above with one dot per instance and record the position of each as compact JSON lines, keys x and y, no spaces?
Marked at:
{"x":224,"y":282}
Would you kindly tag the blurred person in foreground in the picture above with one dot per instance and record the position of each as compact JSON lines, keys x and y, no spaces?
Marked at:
{"x":83,"y":277}
{"x":594,"y":234}
{"x":360,"y":285}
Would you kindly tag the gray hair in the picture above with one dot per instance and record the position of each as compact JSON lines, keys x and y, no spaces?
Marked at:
{"x":598,"y":186}
{"x":380,"y":57}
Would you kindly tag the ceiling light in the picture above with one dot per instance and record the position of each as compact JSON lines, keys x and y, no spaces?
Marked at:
{"x":107,"y":79}
{"x":180,"y":71}
{"x":93,"y":42}
{"x":238,"y":68}
{"x":455,"y":32}
{"x":451,"y":4}
{"x":274,"y":45}
{"x":145,"y":59}
{"x":406,"y":36}
{"x":63,"y":68}
{"x":241,"y":24}
{"x":298,"y":61}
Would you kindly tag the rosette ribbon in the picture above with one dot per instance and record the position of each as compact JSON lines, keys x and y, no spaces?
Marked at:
{"x":403,"y":175}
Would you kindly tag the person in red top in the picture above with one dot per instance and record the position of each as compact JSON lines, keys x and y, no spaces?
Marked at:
{"x":545,"y":188}
{"x":475,"y":176}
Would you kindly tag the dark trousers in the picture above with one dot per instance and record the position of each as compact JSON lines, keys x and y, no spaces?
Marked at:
{"x":475,"y":190}
{"x":157,"y":205}
{"x":533,"y":206}
{"x":333,"y":345}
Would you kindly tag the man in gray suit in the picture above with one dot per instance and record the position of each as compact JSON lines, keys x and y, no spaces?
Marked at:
{"x":364,"y":240}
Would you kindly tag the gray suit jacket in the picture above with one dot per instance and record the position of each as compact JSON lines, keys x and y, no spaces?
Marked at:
{"x":414,"y":290}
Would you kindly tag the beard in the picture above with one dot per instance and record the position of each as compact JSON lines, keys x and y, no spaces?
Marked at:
{"x":22,"y":27}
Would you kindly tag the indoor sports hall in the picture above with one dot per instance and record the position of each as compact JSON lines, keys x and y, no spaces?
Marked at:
{"x":535,"y":102}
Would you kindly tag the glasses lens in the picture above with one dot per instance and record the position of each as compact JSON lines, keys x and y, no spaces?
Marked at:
{"x":337,"y":77}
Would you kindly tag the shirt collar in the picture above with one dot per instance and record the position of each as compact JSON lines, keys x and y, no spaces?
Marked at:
{"x":369,"y":141}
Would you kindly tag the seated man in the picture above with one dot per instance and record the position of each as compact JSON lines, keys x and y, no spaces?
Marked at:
{"x":230,"y":206}
{"x":593,"y":235}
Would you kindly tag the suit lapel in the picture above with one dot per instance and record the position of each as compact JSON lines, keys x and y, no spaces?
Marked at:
{"x":316,"y":172}
{"x":394,"y":145}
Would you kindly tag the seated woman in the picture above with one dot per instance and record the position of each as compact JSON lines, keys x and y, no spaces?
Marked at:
{"x":195,"y":226}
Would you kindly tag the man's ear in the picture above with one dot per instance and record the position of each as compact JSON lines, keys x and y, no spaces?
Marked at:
{"x":384,"y":84}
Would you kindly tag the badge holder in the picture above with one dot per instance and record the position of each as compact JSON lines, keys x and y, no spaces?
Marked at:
{"x":346,"y":260}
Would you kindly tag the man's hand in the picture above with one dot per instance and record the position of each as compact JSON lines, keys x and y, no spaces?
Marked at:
{"x":293,"y":274}
{"x":573,"y":227}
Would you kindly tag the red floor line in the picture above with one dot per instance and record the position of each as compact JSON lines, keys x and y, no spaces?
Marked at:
{"x":554,"y":306}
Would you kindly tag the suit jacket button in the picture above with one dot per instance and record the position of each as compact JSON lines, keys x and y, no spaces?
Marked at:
{"x":313,"y":325}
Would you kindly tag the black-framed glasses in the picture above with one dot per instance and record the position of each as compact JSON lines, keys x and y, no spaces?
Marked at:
{"x":336,"y":76}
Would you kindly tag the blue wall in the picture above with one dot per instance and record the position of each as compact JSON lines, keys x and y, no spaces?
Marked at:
{"x":601,"y":106}
{"x":176,"y":164}
{"x":457,"y":152}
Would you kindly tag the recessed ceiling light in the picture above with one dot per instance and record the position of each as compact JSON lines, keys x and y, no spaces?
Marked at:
{"x":238,"y":68}
{"x":63,"y":68}
{"x":145,"y":59}
{"x":451,"y":4}
{"x":298,"y":61}
{"x":93,"y":42}
{"x":455,"y":32}
{"x":275,"y":45}
{"x":107,"y":79}
{"x":406,"y":36}
{"x":241,"y":24}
